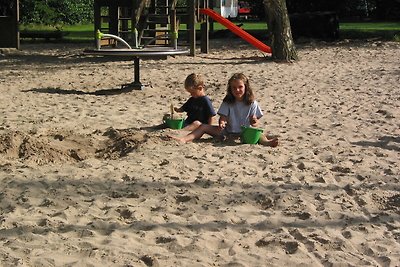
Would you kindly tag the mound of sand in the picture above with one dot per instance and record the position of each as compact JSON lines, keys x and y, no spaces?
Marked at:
{"x":64,"y":146}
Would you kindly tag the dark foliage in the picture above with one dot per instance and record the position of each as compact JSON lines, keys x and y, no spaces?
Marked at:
{"x":6,"y":7}
{"x":51,"y":12}
{"x":321,"y":25}
{"x":345,"y":9}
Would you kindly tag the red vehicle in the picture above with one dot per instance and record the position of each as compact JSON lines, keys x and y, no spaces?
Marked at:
{"x":244,"y":11}
{"x":244,"y":8}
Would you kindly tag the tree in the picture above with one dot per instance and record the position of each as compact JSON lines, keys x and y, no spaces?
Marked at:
{"x":54,"y":12}
{"x":282,"y":44}
{"x":141,"y":6}
{"x":388,"y":9}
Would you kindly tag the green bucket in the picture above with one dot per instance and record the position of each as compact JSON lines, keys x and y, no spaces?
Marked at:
{"x":251,"y":135}
{"x":174,"y":123}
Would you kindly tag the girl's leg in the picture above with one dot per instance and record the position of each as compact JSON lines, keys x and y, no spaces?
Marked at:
{"x":265,"y":141}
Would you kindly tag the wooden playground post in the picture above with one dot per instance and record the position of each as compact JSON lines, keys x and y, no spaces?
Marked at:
{"x":113,"y":18}
{"x":9,"y":20}
{"x":174,"y":29}
{"x":194,"y":13}
{"x":192,"y":27}
{"x":97,"y":19}
{"x":205,"y":25}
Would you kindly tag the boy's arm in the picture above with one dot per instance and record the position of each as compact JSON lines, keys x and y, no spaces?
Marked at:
{"x":178,"y":109}
{"x":210,"y":110}
{"x":183,"y":107}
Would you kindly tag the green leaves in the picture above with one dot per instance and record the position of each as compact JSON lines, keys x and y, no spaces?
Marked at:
{"x":56,"y":12}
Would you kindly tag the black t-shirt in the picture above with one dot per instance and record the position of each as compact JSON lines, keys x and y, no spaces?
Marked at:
{"x":199,"y":108}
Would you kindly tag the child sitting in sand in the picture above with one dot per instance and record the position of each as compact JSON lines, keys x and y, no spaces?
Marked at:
{"x":239,"y":108}
{"x":198,"y":107}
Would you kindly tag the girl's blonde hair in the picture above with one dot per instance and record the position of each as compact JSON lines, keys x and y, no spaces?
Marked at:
{"x":194,"y":80}
{"x":248,"y":94}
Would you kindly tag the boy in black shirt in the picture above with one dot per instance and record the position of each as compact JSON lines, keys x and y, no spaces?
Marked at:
{"x":198,"y":107}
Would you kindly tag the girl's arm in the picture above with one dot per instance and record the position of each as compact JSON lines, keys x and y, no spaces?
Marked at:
{"x":254,"y":121}
{"x":223,"y":120}
{"x":257,"y":114}
{"x":210,"y":120}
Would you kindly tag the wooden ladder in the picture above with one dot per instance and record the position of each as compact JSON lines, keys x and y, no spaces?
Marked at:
{"x":159,"y":25}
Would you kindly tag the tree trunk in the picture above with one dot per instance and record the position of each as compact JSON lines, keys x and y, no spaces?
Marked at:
{"x":140,"y":8}
{"x":283,"y":47}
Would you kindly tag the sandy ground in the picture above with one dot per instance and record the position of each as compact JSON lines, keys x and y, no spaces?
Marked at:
{"x":88,"y":180}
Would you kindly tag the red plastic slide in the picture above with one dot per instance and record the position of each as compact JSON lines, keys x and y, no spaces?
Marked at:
{"x":236,"y":30}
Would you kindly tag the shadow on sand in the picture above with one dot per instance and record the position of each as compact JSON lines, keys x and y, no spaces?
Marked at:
{"x":102,"y":92}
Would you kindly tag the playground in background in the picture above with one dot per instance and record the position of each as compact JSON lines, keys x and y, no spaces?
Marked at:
{"x":156,"y":24}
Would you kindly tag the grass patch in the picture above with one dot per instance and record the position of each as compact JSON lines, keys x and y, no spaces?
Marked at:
{"x":357,"y":30}
{"x":367,"y":30}
{"x":247,"y":26}
{"x":70,"y":33}
{"x":82,"y":33}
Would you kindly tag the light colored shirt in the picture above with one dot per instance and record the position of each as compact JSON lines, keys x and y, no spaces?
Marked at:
{"x":239,"y":114}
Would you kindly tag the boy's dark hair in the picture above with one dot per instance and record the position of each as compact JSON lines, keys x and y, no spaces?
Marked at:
{"x":194,"y":80}
{"x":248,"y":94}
